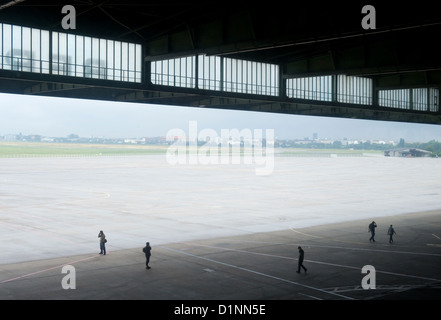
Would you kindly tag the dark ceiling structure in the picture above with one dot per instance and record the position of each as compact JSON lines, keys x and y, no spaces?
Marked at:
{"x":303,"y":38}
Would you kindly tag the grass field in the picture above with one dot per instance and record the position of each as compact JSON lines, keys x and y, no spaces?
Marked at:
{"x":41,"y":149}
{"x":37,"y":149}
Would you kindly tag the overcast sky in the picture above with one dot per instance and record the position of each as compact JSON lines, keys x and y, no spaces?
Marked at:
{"x":59,"y":117}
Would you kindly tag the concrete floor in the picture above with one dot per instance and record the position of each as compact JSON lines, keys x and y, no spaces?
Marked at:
{"x":261,"y":266}
{"x":218,"y":234}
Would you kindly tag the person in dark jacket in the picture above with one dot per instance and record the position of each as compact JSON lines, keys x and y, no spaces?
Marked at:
{"x":301,"y":257}
{"x":103,"y":241}
{"x":147,"y":251}
{"x":372,"y":227}
{"x":391,"y":232}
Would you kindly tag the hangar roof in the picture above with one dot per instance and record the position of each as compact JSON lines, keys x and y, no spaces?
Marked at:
{"x":306,"y":39}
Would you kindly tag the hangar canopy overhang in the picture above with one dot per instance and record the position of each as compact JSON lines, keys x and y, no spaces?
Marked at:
{"x":309,"y":59}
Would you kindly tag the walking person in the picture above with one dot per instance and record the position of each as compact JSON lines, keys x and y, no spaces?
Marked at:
{"x":372,"y":227}
{"x":391,"y":232}
{"x":103,"y":241}
{"x":147,"y":251}
{"x":300,"y":261}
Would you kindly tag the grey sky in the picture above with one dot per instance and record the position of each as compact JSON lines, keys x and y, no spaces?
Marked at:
{"x":60,"y":117}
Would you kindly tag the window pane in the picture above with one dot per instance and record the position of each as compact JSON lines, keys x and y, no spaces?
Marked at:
{"x":44,"y":35}
{"x":110,"y":60}
{"x":79,"y":56}
{"x":88,"y":57}
{"x":124,"y":61}
{"x":16,"y":48}
{"x":118,"y":74}
{"x":62,"y":54}
{"x":26,"y":50}
{"x":95,"y":58}
{"x":131,"y":62}
{"x":36,"y":50}
{"x":138,"y":63}
{"x":7,"y":47}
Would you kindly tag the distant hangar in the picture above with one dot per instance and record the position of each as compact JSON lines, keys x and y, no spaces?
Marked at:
{"x":408,"y":153}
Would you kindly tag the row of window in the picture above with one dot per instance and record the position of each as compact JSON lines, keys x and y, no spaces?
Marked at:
{"x":24,"y":49}
{"x":216,"y":73}
{"x":40,"y":51}
{"x":233,"y":75}
{"x":34,"y":50}
{"x":358,"y":90}
{"x":348,"y":89}
{"x":420,"y":99}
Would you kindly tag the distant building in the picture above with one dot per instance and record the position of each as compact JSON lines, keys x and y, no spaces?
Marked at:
{"x":10,"y":137}
{"x":408,"y":152}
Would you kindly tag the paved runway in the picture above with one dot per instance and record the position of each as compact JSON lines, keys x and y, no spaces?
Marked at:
{"x":260,"y":266}
{"x":224,"y":243}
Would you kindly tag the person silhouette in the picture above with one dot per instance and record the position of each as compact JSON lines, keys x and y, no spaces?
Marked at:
{"x":300,"y":260}
{"x":372,"y":227}
{"x":147,"y":251}
{"x":103,"y":241}
{"x":391,"y":232}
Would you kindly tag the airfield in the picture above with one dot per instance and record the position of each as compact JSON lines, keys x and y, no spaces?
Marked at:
{"x":219,"y":232}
